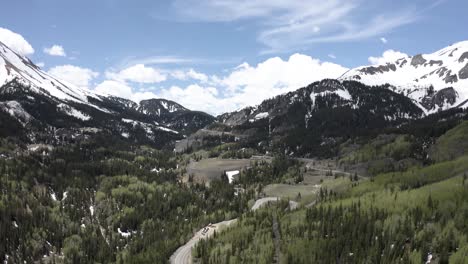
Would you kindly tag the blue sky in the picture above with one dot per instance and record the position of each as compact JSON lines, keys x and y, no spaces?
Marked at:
{"x":219,"y":55}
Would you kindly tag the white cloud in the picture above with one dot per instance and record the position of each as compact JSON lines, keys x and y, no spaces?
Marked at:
{"x":383,"y":40}
{"x":115,"y":88}
{"x":248,"y":85}
{"x":332,"y":56}
{"x":15,"y":42}
{"x":40,"y":64}
{"x":138,"y":73}
{"x":123,"y":90}
{"x":193,"y":96}
{"x":156,"y":60}
{"x":75,"y":75}
{"x":242,"y":86}
{"x":55,"y":50}
{"x":290,"y":24}
{"x":387,"y":56}
{"x":196,"y":97}
{"x":190,"y":74}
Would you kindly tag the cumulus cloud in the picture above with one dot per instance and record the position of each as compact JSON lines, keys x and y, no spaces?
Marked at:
{"x":75,"y":75}
{"x":275,"y":76}
{"x":289,"y":24}
{"x":115,"y":88}
{"x":248,"y":85}
{"x":245,"y":85}
{"x":55,"y":50}
{"x":197,"y":97}
{"x":193,"y":96}
{"x":387,"y":56}
{"x":138,"y":73}
{"x":15,"y":42}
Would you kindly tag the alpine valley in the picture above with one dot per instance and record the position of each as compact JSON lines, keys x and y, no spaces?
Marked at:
{"x":370,"y":167}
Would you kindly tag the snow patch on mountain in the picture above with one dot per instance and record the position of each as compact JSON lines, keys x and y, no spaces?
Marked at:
{"x":261,"y":115}
{"x":415,"y":76}
{"x":14,"y":109}
{"x":148,"y":127}
{"x":341,"y":93}
{"x":14,"y":66}
{"x":73,"y":112}
{"x":167,"y":129}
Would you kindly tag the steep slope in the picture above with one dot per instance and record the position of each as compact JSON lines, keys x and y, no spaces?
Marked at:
{"x":35,"y":103}
{"x":160,"y":107}
{"x":329,"y":94}
{"x":14,"y":66}
{"x":452,"y":144}
{"x":437,"y":81}
{"x":175,"y":115}
{"x":317,"y":117}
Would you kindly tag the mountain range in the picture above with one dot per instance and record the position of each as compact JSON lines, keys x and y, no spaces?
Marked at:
{"x":34,"y":103}
{"x":363,"y":98}
{"x":436,"y":81}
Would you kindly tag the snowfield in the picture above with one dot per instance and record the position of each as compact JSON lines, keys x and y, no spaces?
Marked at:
{"x":413,"y":75}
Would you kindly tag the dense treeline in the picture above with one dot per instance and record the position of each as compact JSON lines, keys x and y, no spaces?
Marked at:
{"x":93,"y":202}
{"x":250,"y":241}
{"x":398,"y":217}
{"x":263,"y":172}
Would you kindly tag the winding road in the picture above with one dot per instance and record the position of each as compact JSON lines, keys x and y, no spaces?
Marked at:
{"x":309,"y":163}
{"x":183,"y":255}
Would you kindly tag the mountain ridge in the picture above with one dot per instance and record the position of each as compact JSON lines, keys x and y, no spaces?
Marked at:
{"x":37,"y":102}
{"x":423,"y":75}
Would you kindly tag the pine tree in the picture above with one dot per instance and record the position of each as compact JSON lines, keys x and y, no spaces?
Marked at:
{"x":430,"y":202}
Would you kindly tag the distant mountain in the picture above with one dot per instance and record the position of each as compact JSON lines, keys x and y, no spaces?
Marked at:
{"x":363,"y":101}
{"x":175,"y":115}
{"x":42,"y":109}
{"x":436,"y":81}
{"x":160,"y":107}
{"x":330,"y":94}
{"x":315,"y":118}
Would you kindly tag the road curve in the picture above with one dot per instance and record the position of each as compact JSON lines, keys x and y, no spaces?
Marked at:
{"x":183,"y":255}
{"x":260,"y":202}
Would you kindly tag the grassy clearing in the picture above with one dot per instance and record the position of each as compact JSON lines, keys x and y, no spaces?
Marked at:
{"x":451,"y":145}
{"x":400,"y":191}
{"x":210,"y":169}
{"x":399,"y":201}
{"x":385,"y":146}
{"x":413,"y":178}
{"x":290,"y":191}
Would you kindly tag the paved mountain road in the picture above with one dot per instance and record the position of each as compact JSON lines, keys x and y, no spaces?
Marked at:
{"x":183,"y":255}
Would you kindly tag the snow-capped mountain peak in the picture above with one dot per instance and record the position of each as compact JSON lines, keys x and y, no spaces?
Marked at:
{"x":423,"y":75}
{"x":15,"y":66}
{"x":33,"y":100}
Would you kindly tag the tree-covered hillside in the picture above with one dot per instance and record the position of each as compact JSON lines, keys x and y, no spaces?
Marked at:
{"x":404,"y":215}
{"x":101,"y":202}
